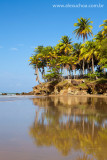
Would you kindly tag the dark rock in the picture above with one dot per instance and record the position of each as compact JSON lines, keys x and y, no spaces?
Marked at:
{"x":76,"y":82}
{"x":44,"y":88}
{"x":17,"y":94}
{"x":4,"y":94}
{"x":29,"y":93}
{"x":101,"y":88}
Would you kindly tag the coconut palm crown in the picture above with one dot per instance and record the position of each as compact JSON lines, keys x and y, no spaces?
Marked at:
{"x":84,"y":28}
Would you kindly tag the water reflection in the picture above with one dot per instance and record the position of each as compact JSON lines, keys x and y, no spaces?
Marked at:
{"x":72,"y":123}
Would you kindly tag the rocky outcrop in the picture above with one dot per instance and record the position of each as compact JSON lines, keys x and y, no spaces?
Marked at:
{"x":71,"y":87}
{"x":3,"y":94}
{"x":77,"y":82}
{"x":99,"y":87}
{"x":24,"y":93}
{"x":44,"y":88}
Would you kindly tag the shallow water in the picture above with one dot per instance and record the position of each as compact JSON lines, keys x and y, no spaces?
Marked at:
{"x":59,"y":128}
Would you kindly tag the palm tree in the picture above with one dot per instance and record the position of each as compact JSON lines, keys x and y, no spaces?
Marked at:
{"x":91,"y":52}
{"x":99,"y":37}
{"x":34,"y":61}
{"x":84,"y":28}
{"x":39,"y":60}
{"x":64,"y":48}
{"x":66,"y":40}
{"x":76,"y":49}
{"x":76,"y":53}
{"x":103,"y":55}
{"x":65,"y":62}
{"x":104,"y":30}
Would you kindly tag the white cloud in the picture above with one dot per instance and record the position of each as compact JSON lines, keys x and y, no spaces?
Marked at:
{"x":14,"y":49}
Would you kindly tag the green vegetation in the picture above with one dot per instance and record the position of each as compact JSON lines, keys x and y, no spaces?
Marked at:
{"x":87,"y":59}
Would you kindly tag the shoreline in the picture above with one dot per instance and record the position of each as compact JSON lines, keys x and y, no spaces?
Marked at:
{"x":93,"y":95}
{"x":57,"y":95}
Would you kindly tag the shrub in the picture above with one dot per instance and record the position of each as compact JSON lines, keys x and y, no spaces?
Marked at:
{"x":53,"y":75}
{"x":93,"y":76}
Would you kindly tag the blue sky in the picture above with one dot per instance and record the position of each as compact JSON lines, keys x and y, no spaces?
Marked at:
{"x":25,"y":24}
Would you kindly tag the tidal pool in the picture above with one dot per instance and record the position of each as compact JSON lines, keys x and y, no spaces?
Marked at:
{"x":53,"y":128}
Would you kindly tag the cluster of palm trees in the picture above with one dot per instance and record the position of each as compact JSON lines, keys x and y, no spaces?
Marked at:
{"x":68,"y":57}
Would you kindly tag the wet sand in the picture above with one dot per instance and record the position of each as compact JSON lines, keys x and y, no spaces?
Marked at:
{"x":47,"y":128}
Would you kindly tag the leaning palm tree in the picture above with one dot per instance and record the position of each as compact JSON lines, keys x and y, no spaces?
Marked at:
{"x":38,"y":62}
{"x":35,"y":62}
{"x":84,"y":28}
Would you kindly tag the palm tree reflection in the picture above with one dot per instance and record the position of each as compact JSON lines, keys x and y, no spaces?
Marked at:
{"x":72,"y":123}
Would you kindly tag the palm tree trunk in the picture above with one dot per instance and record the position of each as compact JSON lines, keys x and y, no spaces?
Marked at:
{"x":37,"y":78}
{"x":62,"y":73}
{"x":80,"y":72}
{"x":67,"y":73}
{"x":93,"y":65}
{"x":104,"y":71}
{"x":74,"y":74}
{"x":83,"y":65}
{"x":88,"y":70}
{"x":61,"y":70}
